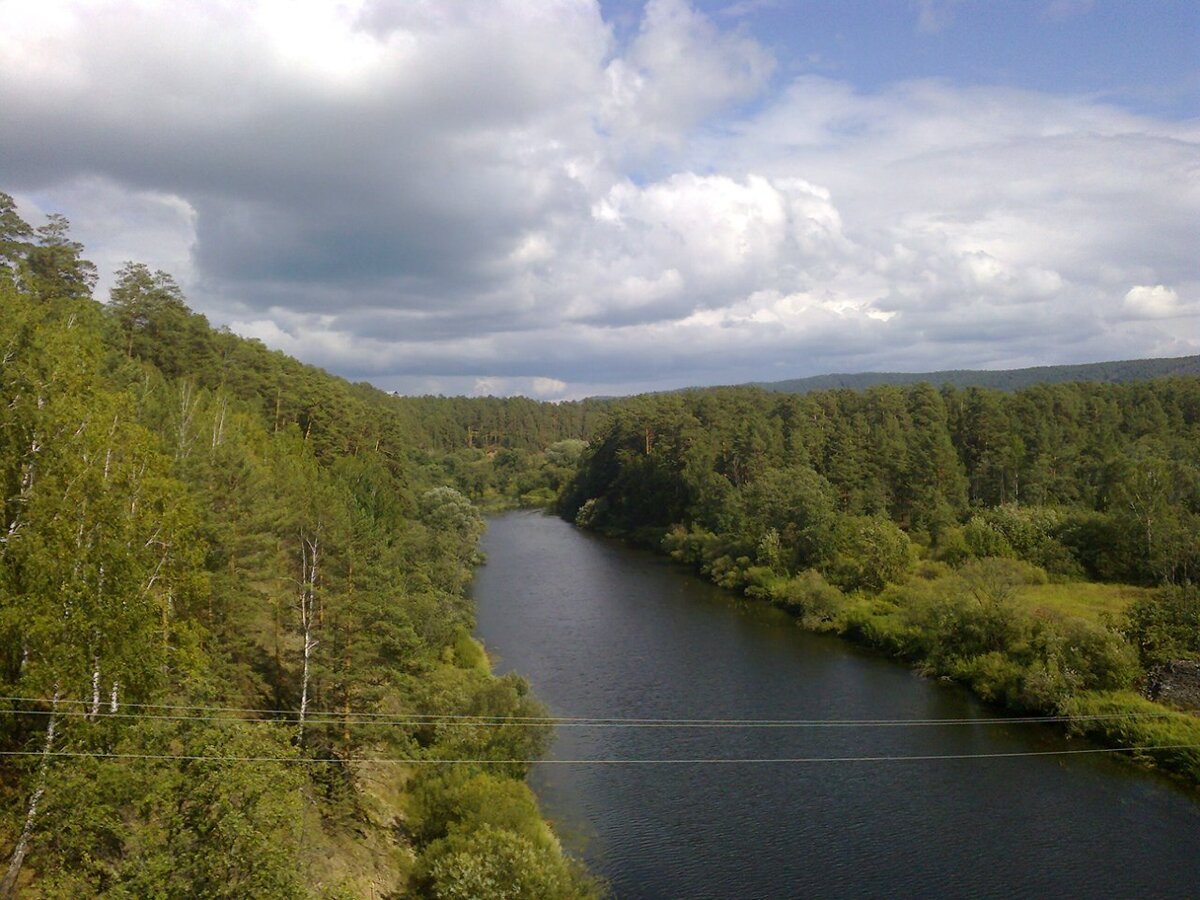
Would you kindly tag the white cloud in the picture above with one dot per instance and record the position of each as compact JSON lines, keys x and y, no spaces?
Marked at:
{"x":679,"y":70}
{"x":711,"y":226}
{"x":1152,"y":302}
{"x":548,"y":387}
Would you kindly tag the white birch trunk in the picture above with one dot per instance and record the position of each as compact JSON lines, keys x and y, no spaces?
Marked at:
{"x":22,"y":498}
{"x":187,"y":409}
{"x":95,"y":708}
{"x":8,"y":886}
{"x":309,"y":557}
{"x":218,"y":432}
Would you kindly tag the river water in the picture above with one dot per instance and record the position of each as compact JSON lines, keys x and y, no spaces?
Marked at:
{"x":601,"y":630}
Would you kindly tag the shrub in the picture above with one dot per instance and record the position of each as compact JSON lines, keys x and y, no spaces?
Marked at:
{"x":868,"y":552}
{"x":1166,"y":625}
{"x":493,"y":862}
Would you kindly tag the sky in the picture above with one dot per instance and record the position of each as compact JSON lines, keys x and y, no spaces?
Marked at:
{"x":564,"y":198}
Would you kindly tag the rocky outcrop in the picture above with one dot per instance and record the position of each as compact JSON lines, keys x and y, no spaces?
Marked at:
{"x":1176,"y":683}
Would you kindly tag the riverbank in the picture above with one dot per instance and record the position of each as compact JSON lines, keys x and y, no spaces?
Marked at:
{"x":967,"y":625}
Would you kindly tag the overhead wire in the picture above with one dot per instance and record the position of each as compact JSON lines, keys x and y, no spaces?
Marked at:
{"x":292,"y":717}
{"x":931,"y":757}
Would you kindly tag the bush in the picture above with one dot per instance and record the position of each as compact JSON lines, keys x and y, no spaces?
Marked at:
{"x":951,"y":546}
{"x":693,"y":546}
{"x":994,"y":676}
{"x":868,"y":552}
{"x":983,"y":540}
{"x":932,"y":569}
{"x":1166,"y":625}
{"x":541,"y":497}
{"x":493,"y":862}
{"x":465,"y":799}
{"x":592,"y":513}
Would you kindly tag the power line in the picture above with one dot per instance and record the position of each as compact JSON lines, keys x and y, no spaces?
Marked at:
{"x":291,"y":717}
{"x":501,"y":721}
{"x":166,"y":757}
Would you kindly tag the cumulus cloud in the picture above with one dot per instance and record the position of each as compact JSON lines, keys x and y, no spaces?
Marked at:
{"x":679,"y":69}
{"x":1157,"y":301}
{"x":507,"y":197}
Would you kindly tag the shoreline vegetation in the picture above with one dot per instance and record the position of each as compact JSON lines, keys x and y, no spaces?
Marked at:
{"x":1046,"y":654}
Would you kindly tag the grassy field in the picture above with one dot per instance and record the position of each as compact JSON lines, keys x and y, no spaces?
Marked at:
{"x":1083,"y":599}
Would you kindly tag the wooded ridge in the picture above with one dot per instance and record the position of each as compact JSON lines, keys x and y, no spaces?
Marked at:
{"x":1115,"y":372}
{"x":1042,"y":546}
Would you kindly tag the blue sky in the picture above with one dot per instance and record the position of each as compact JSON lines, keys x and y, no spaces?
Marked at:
{"x":568,"y":197}
{"x":1144,"y":54}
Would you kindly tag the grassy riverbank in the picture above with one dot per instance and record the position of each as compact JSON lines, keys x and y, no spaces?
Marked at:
{"x":996,"y":626}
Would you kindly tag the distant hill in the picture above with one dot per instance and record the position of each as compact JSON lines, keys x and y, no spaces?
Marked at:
{"x":1003,"y":379}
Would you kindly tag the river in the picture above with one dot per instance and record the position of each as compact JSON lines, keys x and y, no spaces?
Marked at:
{"x":601,"y":630}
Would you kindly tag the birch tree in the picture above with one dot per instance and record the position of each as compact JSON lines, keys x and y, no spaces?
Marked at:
{"x":90,"y":519}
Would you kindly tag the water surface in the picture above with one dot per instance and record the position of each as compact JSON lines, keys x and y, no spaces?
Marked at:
{"x":604,"y":631}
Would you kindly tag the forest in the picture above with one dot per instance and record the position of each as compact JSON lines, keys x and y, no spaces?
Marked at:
{"x":235,"y":637}
{"x":1041,"y":547}
{"x":1002,"y":379}
{"x":235,"y":627}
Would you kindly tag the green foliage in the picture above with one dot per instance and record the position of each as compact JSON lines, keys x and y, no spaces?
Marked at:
{"x":867,"y":553}
{"x":137,"y":828}
{"x":54,"y":267}
{"x":191,"y":520}
{"x":14,"y":239}
{"x":1078,"y":479}
{"x":492,"y":862}
{"x":156,"y":325}
{"x":1124,"y":719}
{"x":459,"y":797}
{"x":982,"y":540}
{"x":791,"y":509}
{"x":1166,"y":625}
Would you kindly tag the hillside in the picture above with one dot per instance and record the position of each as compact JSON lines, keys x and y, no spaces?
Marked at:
{"x":235,"y":635}
{"x":1115,"y":372}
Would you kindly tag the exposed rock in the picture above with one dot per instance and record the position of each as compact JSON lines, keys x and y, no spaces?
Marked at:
{"x":1176,"y":683}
